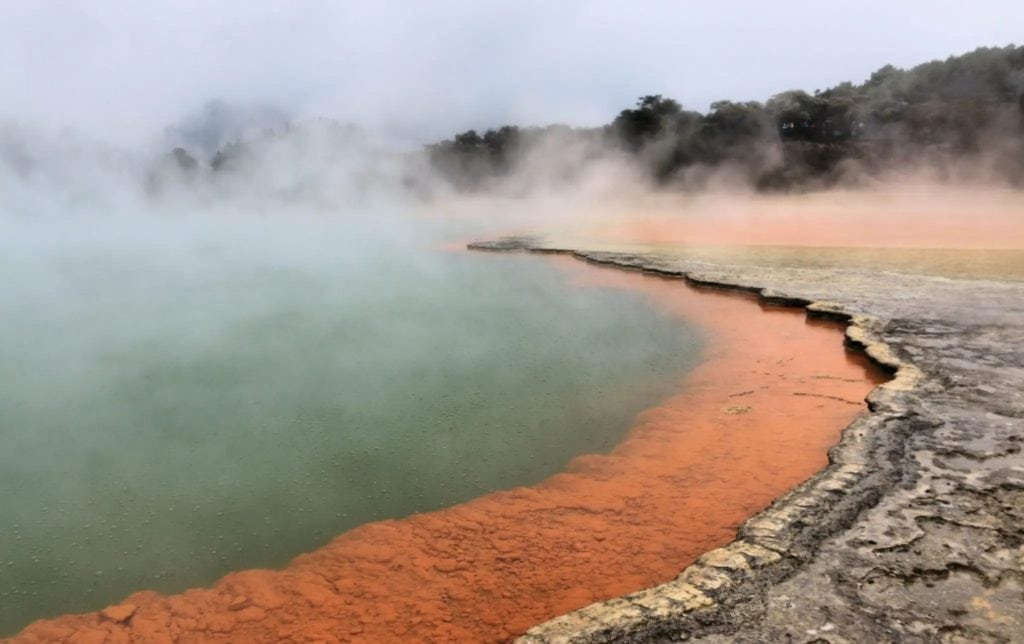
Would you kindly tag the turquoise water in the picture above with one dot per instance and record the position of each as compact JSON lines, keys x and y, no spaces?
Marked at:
{"x":183,"y":400}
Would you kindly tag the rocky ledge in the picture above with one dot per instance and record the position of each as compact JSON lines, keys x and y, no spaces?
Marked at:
{"x":915,"y":530}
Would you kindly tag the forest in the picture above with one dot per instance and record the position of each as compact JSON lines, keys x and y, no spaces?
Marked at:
{"x":963,"y":112}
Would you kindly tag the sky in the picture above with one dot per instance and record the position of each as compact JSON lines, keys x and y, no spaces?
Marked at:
{"x":123,"y":70}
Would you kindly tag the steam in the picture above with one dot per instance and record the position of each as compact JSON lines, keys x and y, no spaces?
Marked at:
{"x":140,"y":213}
{"x":192,"y":352}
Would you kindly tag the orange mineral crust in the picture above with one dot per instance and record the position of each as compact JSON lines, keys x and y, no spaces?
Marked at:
{"x":753,"y":420}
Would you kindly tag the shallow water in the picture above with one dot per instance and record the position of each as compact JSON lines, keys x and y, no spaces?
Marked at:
{"x":176,"y":405}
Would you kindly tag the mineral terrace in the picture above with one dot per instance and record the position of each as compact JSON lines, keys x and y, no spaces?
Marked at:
{"x":915,"y":531}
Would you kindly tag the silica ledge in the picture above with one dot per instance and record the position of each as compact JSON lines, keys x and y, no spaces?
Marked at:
{"x":915,"y":529}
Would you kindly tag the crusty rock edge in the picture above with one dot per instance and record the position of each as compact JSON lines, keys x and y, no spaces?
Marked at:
{"x":725,"y":587}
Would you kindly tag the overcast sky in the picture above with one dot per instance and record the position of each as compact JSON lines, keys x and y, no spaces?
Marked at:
{"x":124,"y":69}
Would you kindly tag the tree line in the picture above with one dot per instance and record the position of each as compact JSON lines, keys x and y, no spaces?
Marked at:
{"x":962,"y":108}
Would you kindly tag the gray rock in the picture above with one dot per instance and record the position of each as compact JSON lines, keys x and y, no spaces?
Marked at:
{"x":915,"y":530}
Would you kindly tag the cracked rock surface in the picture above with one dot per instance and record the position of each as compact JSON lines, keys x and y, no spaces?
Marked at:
{"x":915,"y":531}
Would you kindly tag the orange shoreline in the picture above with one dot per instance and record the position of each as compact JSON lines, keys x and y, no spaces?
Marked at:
{"x":753,"y":420}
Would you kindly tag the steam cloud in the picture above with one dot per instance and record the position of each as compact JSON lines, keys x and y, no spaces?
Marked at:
{"x":123,"y":185}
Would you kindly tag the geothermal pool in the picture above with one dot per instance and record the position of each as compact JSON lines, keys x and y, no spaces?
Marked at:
{"x":453,"y":439}
{"x":183,"y":399}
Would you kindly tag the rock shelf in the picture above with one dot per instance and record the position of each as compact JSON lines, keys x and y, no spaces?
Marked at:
{"x":915,"y":530}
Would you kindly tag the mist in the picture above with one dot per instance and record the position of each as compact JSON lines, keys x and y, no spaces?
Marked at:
{"x":210,"y":370}
{"x":228,"y":231}
{"x":327,"y":108}
{"x":123,"y":73}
